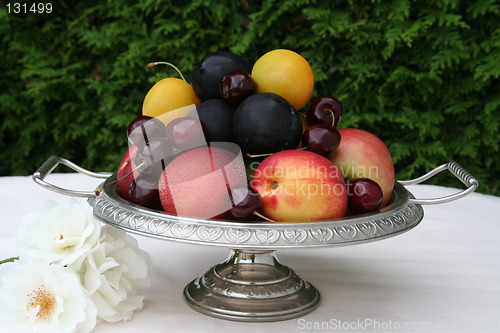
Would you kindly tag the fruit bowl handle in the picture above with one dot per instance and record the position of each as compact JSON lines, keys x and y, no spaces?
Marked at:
{"x":51,"y":163}
{"x":465,"y":177}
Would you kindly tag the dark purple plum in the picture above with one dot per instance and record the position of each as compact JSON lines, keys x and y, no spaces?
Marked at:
{"x":216,"y":117}
{"x":266,"y":123}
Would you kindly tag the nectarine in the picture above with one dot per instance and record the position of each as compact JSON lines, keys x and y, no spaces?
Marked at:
{"x":361,"y":154}
{"x":299,"y":185}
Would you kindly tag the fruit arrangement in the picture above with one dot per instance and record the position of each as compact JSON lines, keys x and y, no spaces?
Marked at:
{"x":239,"y":143}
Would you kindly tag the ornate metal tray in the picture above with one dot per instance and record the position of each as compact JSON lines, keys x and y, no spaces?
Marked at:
{"x":252,"y":285}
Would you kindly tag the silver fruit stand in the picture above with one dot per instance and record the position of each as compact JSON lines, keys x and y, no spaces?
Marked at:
{"x":252,"y":285}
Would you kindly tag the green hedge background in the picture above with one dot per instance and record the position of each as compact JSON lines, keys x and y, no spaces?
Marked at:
{"x":422,"y":75}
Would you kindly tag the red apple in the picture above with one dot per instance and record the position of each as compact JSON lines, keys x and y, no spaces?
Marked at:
{"x":363,"y":155}
{"x":197,"y":183}
{"x":299,"y":185}
{"x":125,"y":169}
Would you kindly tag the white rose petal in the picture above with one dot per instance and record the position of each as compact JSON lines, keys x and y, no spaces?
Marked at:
{"x":59,"y":232}
{"x":114,"y":273}
{"x":43,"y":298}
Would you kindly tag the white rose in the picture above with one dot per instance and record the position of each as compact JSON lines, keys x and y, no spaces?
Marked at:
{"x":114,"y":273}
{"x":43,"y":298}
{"x":59,"y":232}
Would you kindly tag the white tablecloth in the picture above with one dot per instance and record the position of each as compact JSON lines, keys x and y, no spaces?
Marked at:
{"x":442,"y":276}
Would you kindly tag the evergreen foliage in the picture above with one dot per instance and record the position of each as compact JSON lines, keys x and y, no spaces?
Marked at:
{"x":422,"y":75}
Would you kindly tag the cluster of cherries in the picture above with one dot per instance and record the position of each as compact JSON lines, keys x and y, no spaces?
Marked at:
{"x":323,"y":114}
{"x":156,"y":145}
{"x":148,"y":139}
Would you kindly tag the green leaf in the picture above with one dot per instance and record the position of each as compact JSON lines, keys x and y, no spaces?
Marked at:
{"x":9,"y":260}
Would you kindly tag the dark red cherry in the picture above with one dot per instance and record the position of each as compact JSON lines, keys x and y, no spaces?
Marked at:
{"x":152,"y":171}
{"x":125,"y":174}
{"x":246,"y":200}
{"x":235,"y":86}
{"x":321,"y":139}
{"x":325,"y":110}
{"x":364,"y":195}
{"x":209,"y":71}
{"x":185,"y":133}
{"x":154,"y":156}
{"x":143,"y":191}
{"x":143,"y":129}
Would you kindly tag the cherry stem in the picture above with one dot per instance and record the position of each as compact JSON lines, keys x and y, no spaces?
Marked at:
{"x":259,"y":155}
{"x":333,"y":117}
{"x":256,"y":213}
{"x":99,"y":189}
{"x":152,"y":64}
{"x":269,"y":154}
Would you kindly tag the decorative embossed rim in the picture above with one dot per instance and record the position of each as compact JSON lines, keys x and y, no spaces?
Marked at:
{"x":399,"y":216}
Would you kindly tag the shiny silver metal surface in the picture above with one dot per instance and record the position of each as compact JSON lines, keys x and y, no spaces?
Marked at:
{"x":252,"y":285}
{"x":466,"y":178}
{"x":51,"y":163}
{"x":399,"y":216}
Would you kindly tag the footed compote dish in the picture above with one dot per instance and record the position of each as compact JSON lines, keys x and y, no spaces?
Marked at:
{"x":252,"y":285}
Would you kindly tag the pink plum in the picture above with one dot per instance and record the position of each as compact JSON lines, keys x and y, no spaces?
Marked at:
{"x":198,"y":182}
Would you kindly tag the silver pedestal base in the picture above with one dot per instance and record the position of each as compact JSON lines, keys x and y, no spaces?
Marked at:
{"x":252,"y":286}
